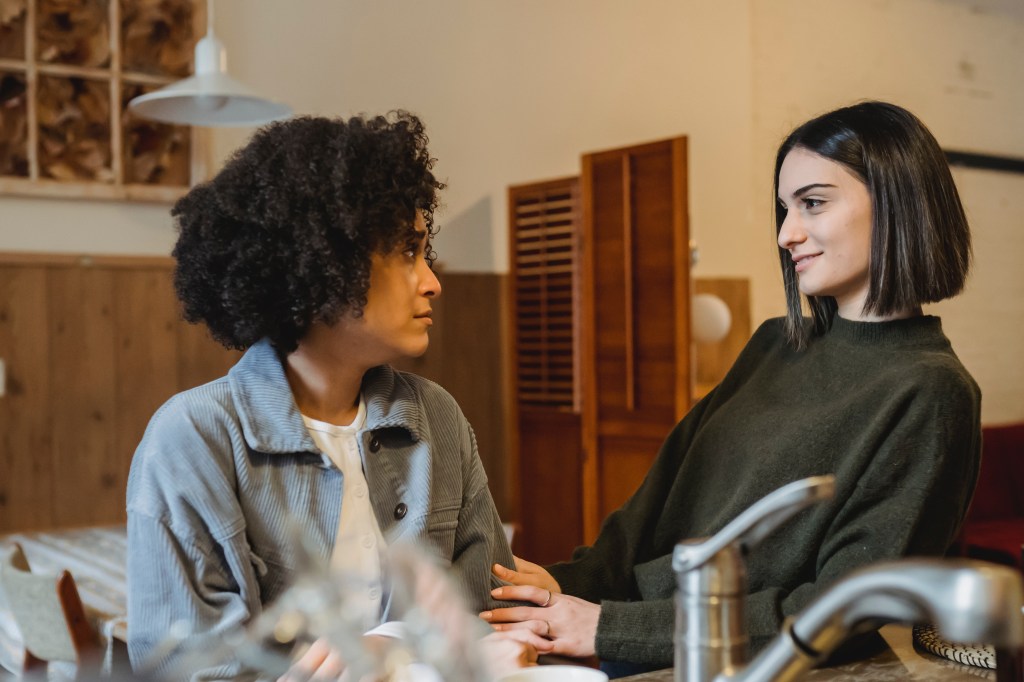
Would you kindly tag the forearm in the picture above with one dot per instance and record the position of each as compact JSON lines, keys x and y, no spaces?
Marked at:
{"x":636,"y":631}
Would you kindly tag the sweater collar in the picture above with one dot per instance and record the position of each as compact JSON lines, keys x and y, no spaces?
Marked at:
{"x":917,"y":330}
{"x":271,"y":420}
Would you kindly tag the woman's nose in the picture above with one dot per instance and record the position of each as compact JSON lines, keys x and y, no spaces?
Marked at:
{"x":791,"y":232}
{"x":430,"y":285}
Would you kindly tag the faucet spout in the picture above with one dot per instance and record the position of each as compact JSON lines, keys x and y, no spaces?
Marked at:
{"x":969,"y":602}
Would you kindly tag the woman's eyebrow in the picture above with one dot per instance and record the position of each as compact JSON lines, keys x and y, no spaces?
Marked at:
{"x":807,"y":188}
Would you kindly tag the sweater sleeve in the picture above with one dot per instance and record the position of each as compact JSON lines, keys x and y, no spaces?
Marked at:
{"x":908,"y":497}
{"x":909,"y":501}
{"x":605,"y":569}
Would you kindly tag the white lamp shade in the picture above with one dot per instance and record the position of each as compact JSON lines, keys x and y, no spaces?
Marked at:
{"x":711,"y":319}
{"x":209,"y":98}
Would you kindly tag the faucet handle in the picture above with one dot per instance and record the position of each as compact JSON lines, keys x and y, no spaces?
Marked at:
{"x":757,"y":522}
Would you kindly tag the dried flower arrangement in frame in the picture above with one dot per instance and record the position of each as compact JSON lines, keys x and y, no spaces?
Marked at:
{"x":68,"y":69}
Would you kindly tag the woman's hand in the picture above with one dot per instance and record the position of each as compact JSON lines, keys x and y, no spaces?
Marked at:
{"x":568,"y":622}
{"x":527,"y":573}
{"x":506,"y":652}
{"x":319,"y":661}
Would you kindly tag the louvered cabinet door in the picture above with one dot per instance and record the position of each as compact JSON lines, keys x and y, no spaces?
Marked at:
{"x":635,"y":316}
{"x":544,"y":306}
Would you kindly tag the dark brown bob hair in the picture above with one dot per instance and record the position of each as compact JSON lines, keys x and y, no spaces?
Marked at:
{"x":920,"y":240}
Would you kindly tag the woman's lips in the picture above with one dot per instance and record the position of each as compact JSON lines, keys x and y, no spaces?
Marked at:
{"x":803,"y":262}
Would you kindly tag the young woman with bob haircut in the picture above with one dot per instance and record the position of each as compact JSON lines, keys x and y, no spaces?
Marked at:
{"x":311,"y":252}
{"x":870,"y":227}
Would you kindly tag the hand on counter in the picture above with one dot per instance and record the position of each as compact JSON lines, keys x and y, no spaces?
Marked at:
{"x":568,"y":622}
{"x":506,"y":652}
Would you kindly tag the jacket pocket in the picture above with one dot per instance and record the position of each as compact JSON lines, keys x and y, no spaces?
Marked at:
{"x":441,"y":526}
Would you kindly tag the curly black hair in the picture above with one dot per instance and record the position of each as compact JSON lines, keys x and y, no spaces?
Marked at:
{"x":282,"y":237}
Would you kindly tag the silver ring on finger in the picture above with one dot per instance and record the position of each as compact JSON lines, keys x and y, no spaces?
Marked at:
{"x":547,"y":601}
{"x":547,"y":633}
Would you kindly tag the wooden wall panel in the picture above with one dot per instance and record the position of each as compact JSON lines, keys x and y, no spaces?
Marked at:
{"x":26,"y":467}
{"x":92,"y":346}
{"x":83,"y":397}
{"x":472,"y":368}
{"x":146,"y":357}
{"x":200,"y":358}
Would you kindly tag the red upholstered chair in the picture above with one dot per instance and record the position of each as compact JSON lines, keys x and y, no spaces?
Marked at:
{"x":994,"y":528}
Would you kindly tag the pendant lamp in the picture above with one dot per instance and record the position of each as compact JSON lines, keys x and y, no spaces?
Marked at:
{"x":210,"y":97}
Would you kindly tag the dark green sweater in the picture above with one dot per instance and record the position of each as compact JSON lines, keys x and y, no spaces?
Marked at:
{"x":885,"y":406}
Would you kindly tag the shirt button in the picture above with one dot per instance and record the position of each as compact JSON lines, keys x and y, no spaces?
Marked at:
{"x":400,"y":511}
{"x":367,"y":541}
{"x":374,"y":445}
{"x":360,"y":491}
{"x":374,"y":593}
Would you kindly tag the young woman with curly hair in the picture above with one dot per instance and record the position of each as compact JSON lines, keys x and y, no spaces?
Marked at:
{"x":311,"y":251}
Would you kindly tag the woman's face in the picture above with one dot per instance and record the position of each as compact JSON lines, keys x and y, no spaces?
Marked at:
{"x":397,"y":316}
{"x":827,"y":229}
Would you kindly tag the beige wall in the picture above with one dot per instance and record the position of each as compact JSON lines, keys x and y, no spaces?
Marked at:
{"x":515,"y":91}
{"x":958,"y":66}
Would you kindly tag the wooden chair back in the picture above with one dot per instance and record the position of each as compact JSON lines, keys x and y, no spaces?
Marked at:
{"x":49,"y":615}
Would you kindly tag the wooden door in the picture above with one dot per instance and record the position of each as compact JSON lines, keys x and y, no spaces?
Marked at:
{"x":544,"y":309}
{"x":635,"y":316}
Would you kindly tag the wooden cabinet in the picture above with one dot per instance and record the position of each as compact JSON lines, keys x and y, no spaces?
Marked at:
{"x":635,"y":367}
{"x":544,"y":306}
{"x":600,"y":290}
{"x":91,"y":346}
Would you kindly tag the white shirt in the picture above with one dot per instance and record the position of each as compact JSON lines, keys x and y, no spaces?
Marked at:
{"x":359,"y":545}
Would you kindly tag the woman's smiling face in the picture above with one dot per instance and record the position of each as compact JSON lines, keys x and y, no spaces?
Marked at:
{"x":827,"y":229}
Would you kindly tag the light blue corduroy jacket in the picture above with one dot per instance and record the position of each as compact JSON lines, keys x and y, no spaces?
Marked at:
{"x":225,"y":470}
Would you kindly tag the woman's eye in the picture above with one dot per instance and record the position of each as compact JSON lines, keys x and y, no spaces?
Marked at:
{"x":813,"y":203}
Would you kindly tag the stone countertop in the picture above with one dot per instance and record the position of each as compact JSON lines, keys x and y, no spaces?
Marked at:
{"x":900,"y":663}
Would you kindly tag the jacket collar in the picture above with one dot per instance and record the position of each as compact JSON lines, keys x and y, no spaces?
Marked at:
{"x":271,"y":420}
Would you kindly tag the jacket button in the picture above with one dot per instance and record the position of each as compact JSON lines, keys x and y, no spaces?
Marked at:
{"x":400,"y":511}
{"x":374,"y":445}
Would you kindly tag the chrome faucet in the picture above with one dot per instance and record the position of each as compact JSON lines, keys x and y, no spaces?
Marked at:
{"x":711,"y":632}
{"x":968,"y":601}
